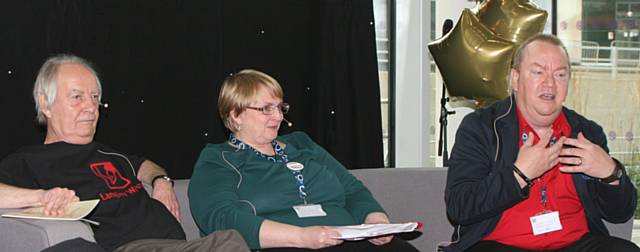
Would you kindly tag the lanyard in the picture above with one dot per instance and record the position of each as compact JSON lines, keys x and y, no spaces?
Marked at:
{"x":280,"y":157}
{"x":543,"y":196}
{"x":543,"y":191}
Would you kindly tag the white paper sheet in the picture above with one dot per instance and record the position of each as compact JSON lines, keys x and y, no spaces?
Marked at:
{"x":75,"y":211}
{"x":359,"y":232}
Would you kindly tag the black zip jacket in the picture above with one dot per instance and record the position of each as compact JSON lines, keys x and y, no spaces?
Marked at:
{"x":481,"y":184}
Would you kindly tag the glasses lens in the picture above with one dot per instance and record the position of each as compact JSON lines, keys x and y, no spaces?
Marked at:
{"x":268,"y":110}
{"x":284,"y":108}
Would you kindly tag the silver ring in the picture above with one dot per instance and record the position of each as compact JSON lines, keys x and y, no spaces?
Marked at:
{"x":580,"y":163}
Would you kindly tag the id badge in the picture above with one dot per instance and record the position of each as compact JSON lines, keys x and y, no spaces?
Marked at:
{"x":545,"y":223}
{"x":309,"y":210}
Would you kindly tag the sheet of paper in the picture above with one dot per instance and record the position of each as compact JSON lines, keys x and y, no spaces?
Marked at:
{"x":359,"y":232}
{"x":75,"y":211}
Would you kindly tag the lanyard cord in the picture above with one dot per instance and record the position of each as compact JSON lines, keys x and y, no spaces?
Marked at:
{"x":280,"y":157}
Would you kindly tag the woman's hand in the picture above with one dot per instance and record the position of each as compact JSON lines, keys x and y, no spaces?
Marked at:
{"x":378,"y":218}
{"x":279,"y":235}
{"x":316,"y":237}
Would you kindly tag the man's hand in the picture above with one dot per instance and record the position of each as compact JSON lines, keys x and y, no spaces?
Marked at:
{"x":378,"y":218}
{"x":535,"y":160}
{"x":55,"y":200}
{"x":163,"y":192}
{"x":587,"y":158}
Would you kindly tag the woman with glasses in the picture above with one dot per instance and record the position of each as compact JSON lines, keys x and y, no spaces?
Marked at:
{"x":282,"y":193}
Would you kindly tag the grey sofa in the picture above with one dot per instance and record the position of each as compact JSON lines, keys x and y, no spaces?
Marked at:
{"x":407,"y":194}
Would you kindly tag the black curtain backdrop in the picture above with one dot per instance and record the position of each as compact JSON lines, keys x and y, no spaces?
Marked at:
{"x":161,"y":64}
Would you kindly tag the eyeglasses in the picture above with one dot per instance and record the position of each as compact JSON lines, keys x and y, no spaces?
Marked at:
{"x":270,"y":109}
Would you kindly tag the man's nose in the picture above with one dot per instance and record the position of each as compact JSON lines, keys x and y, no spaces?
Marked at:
{"x":549,"y":79}
{"x":90,"y":104}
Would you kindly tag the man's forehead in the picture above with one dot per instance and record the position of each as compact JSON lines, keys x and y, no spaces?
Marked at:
{"x":76,"y":77}
{"x":541,"y":52}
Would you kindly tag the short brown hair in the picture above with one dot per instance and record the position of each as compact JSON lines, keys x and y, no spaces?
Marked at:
{"x":239,"y":90}
{"x":518,"y":56}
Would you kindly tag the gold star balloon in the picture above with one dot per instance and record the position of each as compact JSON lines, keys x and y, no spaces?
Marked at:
{"x":513,"y":20}
{"x":473,"y":60}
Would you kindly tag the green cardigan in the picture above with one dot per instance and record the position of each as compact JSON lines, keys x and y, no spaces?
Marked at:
{"x":236,"y":189}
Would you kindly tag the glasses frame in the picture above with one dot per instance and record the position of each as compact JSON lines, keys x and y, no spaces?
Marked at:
{"x":271,"y":109}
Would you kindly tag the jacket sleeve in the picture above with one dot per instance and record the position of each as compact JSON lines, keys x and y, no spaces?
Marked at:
{"x":477,"y":187}
{"x":615,"y":203}
{"x":214,"y":201}
{"x":359,"y":200}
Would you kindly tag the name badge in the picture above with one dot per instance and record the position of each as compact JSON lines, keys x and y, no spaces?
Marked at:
{"x":295,"y":166}
{"x":546,"y":223}
{"x":309,"y":210}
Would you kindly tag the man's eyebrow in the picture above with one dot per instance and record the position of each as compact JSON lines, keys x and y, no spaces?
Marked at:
{"x":536,"y":64}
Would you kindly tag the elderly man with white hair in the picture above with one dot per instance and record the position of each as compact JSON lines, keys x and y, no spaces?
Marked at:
{"x":71,"y":166}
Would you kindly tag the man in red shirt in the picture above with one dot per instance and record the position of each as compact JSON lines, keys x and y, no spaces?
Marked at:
{"x":527,"y":174}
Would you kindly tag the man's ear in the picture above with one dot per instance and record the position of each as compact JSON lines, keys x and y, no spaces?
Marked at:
{"x":515,"y":75}
{"x":44,"y":106}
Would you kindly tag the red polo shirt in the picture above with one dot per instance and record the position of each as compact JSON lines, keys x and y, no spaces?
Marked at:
{"x":515,"y":228}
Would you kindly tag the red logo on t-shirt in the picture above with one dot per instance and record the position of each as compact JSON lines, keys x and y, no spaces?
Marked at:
{"x":107,"y":172}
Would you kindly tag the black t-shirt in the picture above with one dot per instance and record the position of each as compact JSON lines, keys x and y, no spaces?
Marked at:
{"x":95,"y":171}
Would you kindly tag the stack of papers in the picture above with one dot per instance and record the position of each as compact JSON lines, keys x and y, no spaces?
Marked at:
{"x":359,"y":232}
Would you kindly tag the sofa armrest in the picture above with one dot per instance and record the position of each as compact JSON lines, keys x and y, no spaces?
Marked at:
{"x":35,"y":235}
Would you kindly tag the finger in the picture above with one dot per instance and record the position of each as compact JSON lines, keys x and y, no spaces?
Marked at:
{"x":571,"y":169}
{"x":581,"y":137}
{"x":375,"y":241}
{"x":580,"y":142}
{"x":530,"y":140}
{"x":546,"y":138}
{"x":570,"y":160}
{"x":47,"y":207}
{"x":568,"y":151}
{"x":386,"y":239}
{"x":69,"y":198}
{"x":61,"y":202}
{"x":55,"y":205}
{"x":378,"y":240}
{"x":178,"y":213}
{"x":381,"y":240}
{"x":556,"y":148}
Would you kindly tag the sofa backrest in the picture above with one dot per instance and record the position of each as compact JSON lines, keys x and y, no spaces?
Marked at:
{"x":412,"y":194}
{"x":187,"y":222}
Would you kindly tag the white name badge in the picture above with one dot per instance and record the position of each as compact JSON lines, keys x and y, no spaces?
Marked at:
{"x":295,"y":166}
{"x":546,"y":223}
{"x":309,"y":210}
